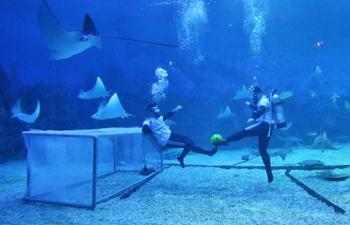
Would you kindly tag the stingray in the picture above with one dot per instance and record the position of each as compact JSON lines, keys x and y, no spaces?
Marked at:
{"x":311,"y":162}
{"x":242,"y":94}
{"x":112,"y":109}
{"x":225,"y":114}
{"x":97,"y":91}
{"x":28,"y":118}
{"x":334,"y":177}
{"x":63,"y":44}
{"x":322,"y":142}
{"x":283,"y":153}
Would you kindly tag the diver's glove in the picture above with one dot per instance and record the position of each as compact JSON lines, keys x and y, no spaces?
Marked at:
{"x":223,"y":142}
{"x":177,"y":108}
{"x":250,"y":120}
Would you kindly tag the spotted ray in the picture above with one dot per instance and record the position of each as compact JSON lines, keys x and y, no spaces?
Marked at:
{"x":28,"y":118}
{"x":242,"y":94}
{"x":113,"y":109}
{"x":61,"y":43}
{"x":97,"y":91}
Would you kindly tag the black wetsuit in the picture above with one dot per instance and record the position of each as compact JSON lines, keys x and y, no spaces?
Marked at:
{"x":262,"y":130}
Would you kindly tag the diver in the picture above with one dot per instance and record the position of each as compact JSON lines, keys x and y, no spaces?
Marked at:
{"x":262,"y":127}
{"x":156,"y":126}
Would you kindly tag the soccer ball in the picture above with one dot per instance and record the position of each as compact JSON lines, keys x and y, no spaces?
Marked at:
{"x":215,"y":138}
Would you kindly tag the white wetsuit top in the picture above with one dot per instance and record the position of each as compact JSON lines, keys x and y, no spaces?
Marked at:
{"x":159,"y":129}
{"x":266,"y":116}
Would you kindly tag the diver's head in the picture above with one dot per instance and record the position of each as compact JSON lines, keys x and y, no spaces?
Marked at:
{"x":153,"y":108}
{"x":255,"y":93}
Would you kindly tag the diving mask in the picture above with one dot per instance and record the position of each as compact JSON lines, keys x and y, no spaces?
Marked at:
{"x":155,"y":110}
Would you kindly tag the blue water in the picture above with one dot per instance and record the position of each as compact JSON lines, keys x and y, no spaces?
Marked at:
{"x":223,"y":44}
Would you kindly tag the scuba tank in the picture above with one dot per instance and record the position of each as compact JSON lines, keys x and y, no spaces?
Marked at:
{"x":277,"y":110}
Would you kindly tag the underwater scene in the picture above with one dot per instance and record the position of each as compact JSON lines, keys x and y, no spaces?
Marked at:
{"x":175,"y":112}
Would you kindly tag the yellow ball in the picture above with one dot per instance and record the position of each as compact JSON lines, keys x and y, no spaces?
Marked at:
{"x":215,"y":138}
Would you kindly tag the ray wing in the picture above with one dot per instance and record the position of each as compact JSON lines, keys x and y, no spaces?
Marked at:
{"x":16,"y":108}
{"x":99,"y":90}
{"x":29,"y":118}
{"x":242,"y":94}
{"x":225,"y":114}
{"x":113,"y":109}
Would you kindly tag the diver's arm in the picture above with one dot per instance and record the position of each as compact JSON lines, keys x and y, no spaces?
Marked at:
{"x":252,"y":106}
{"x":168,"y":115}
{"x":171,"y":113}
{"x":259,"y":112}
{"x":146,"y":127}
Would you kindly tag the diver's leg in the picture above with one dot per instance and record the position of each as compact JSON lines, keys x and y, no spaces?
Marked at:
{"x":176,"y":141}
{"x":199,"y":150}
{"x":250,"y":131}
{"x":237,"y":136}
{"x":190,"y":147}
{"x":263,"y":144}
{"x":181,"y":157}
{"x":179,"y":141}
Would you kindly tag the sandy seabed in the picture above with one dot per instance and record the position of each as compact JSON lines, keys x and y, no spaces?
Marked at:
{"x":200,"y":195}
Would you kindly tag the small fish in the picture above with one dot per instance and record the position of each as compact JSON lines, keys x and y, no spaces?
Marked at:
{"x":334,"y":98}
{"x":347,"y":105}
{"x":313,"y":94}
{"x":312,"y":133}
{"x":286,"y":94}
{"x":200,"y":58}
